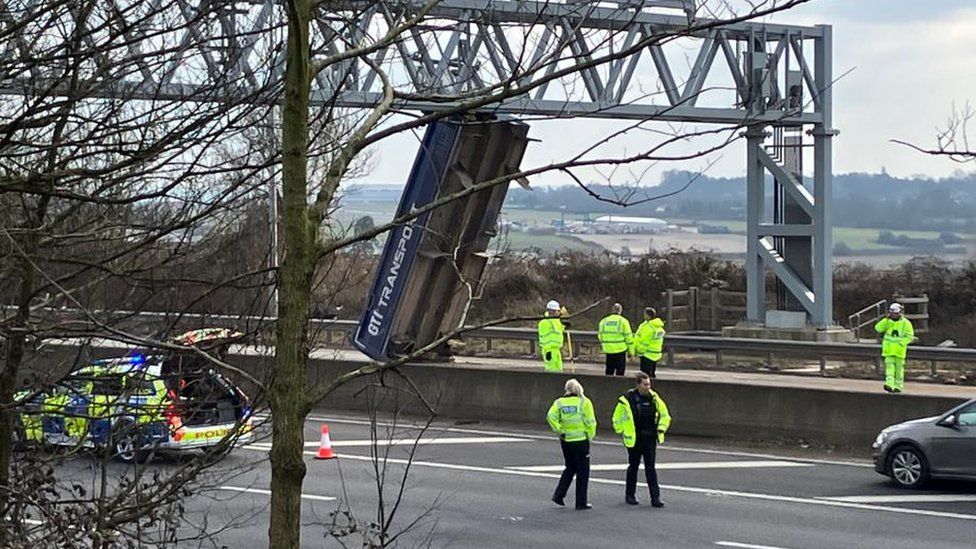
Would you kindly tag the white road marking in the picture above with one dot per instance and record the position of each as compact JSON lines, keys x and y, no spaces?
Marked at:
{"x":746,"y":545}
{"x":913,"y":498}
{"x":410,"y":441}
{"x":667,"y":448}
{"x":424,"y":441}
{"x":682,"y":465}
{"x":268,"y":493}
{"x":687,"y":489}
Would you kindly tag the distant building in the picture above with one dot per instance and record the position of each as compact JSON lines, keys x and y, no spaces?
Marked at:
{"x":387,"y":195}
{"x":620,"y":223}
{"x":713,"y":229}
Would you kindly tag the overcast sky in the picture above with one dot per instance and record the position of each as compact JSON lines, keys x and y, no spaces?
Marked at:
{"x":910,"y":61}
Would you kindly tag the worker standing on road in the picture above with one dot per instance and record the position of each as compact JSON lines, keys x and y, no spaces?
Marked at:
{"x":616,"y":340}
{"x":642,"y":418}
{"x":897,"y":332}
{"x":572,"y":417}
{"x":551,"y":333}
{"x":649,"y":341}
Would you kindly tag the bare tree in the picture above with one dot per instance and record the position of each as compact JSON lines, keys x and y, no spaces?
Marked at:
{"x":952,"y":140}
{"x":389,"y":433}
{"x":112,"y":177}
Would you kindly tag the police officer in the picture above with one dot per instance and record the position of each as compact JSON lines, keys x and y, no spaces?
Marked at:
{"x":572,"y":417}
{"x":649,"y":341}
{"x":616,"y":340}
{"x":897,"y":332}
{"x":642,"y":418}
{"x":551,"y":333}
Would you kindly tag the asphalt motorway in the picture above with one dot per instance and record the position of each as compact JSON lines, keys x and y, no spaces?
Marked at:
{"x":487,"y":485}
{"x":484,"y":485}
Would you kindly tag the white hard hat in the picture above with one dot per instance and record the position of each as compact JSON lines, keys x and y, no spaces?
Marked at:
{"x":895,"y":307}
{"x":553,"y":305}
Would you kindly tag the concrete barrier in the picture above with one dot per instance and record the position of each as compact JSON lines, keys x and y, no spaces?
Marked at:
{"x":708,"y":409}
{"x":723,"y":410}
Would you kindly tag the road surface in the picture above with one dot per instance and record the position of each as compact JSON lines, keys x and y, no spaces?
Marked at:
{"x":484,"y":485}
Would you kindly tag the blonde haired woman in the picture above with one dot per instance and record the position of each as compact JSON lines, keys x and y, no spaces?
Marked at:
{"x":571,"y":417}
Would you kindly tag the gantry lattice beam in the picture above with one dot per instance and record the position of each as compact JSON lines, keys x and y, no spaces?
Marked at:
{"x":652,"y":60}
{"x":464,"y":47}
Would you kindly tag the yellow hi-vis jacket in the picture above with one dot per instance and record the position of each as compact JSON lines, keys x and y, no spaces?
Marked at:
{"x":615,"y":335}
{"x":649,"y":339}
{"x":897,"y":335}
{"x":623,"y":419}
{"x":550,"y":334}
{"x":573,"y":418}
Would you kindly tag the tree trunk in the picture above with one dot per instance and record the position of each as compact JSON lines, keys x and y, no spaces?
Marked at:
{"x":12,"y":360}
{"x":8,"y":378}
{"x":288,"y":399}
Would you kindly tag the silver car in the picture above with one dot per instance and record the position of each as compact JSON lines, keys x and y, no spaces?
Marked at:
{"x":942,"y":447}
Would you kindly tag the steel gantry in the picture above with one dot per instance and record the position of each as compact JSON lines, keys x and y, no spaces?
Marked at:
{"x":624,"y":60}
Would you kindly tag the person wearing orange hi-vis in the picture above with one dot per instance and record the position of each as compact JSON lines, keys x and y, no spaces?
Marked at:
{"x":551,"y":336}
{"x":897,"y":332}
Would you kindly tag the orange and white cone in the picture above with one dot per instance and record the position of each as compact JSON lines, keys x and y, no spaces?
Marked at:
{"x":325,"y":446}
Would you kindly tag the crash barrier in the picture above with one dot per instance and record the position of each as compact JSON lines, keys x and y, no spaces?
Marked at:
{"x":327,"y":330}
{"x":722,"y":409}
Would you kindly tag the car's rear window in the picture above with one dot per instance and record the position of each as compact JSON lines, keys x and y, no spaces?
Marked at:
{"x":107,"y":385}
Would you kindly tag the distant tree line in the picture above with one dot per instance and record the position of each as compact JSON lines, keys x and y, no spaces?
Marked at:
{"x":860,"y":200}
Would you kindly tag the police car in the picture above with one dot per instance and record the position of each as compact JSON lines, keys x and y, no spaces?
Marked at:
{"x":142,"y":403}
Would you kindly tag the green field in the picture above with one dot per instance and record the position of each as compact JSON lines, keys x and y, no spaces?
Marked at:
{"x":734,"y":225}
{"x":866,"y":239}
{"x":537,"y":216}
{"x":546,"y":242}
{"x":856,"y":239}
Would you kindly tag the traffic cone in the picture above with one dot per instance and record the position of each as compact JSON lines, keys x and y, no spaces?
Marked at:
{"x":325,"y":446}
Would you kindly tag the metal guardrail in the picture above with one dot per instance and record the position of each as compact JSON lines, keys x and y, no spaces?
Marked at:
{"x":873,"y":312}
{"x":814,"y":350}
{"x":677,"y":342}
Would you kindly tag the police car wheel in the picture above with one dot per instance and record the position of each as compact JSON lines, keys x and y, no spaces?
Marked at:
{"x":125,"y":441}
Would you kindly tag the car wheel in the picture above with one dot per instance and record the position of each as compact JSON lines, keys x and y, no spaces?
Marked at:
{"x":907,"y":466}
{"x":125,"y":442}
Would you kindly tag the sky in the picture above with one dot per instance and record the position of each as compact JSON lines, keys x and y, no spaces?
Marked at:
{"x":906,"y":64}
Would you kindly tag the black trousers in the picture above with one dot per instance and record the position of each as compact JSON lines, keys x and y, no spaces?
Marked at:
{"x":616,"y":362}
{"x":645,"y":447}
{"x":577,"y":458}
{"x":648,"y":366}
